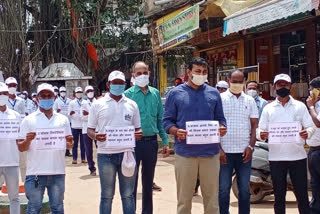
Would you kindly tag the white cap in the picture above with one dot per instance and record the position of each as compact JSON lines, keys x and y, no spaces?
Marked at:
{"x":128,"y":165}
{"x":45,"y":86}
{"x":62,"y":89}
{"x":3,"y":87}
{"x":55,"y":88}
{"x":25,"y":92}
{"x":88,"y":87}
{"x":116,"y":75}
{"x":222,"y":84}
{"x":78,"y":89}
{"x":33,"y":94}
{"x":284,"y":77}
{"x":10,"y":80}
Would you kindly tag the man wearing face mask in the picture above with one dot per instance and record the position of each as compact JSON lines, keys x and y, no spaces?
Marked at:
{"x":237,"y":145}
{"x":194,"y":101}
{"x":56,"y":91}
{"x":222,"y":86}
{"x":115,"y":110}
{"x":151,"y":112}
{"x":84,"y":112}
{"x":253,"y":91}
{"x":286,"y":157}
{"x":28,"y":103}
{"x":62,"y":102}
{"x":46,"y":165}
{"x":74,"y":109}
{"x":9,"y":158}
{"x":314,"y":152}
{"x":34,"y":102}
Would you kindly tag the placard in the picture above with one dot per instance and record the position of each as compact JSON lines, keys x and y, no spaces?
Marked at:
{"x":120,"y":137}
{"x":64,"y":108}
{"x":287,"y":132}
{"x":9,"y":128}
{"x":50,"y":139}
{"x":203,"y":132}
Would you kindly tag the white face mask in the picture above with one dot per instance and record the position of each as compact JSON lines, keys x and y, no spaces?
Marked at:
{"x":252,"y":93}
{"x":90,"y":95}
{"x":199,"y":79}
{"x":236,"y":88}
{"x":79,"y":95}
{"x":3,"y":100}
{"x":55,"y":93}
{"x":63,"y":94}
{"x":142,"y":80}
{"x":12,"y":90}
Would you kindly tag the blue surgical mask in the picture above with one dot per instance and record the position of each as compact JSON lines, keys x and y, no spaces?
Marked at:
{"x":117,"y":90}
{"x":46,"y":104}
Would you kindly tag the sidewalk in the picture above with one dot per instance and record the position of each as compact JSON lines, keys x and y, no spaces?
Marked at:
{"x":83,"y":193}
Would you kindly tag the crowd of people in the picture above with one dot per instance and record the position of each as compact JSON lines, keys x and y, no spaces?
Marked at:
{"x":243,"y":117}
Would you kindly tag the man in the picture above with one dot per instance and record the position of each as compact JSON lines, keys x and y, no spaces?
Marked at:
{"x":28,"y":104}
{"x":9,"y":158}
{"x":253,"y":91}
{"x":146,"y":151}
{"x":56,"y":91}
{"x":177,"y":81}
{"x":237,"y":145}
{"x":115,"y":110}
{"x":46,"y":166}
{"x":17,"y":104}
{"x":84,"y":112}
{"x":61,"y":104}
{"x":222,"y":86}
{"x":76,"y":126}
{"x":34,"y":102}
{"x":314,"y":143}
{"x":287,"y":157}
{"x":194,"y":101}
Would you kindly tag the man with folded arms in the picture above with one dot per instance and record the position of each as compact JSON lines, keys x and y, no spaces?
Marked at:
{"x":115,"y":111}
{"x":45,"y":160}
{"x":287,"y":155}
{"x":9,"y":158}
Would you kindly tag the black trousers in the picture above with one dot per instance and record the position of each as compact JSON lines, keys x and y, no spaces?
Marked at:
{"x":298,"y":175}
{"x":314,"y":169}
{"x":146,"y":155}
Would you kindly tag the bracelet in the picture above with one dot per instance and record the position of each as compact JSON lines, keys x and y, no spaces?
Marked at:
{"x":311,"y":107}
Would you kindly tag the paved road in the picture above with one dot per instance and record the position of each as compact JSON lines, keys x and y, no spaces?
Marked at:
{"x":83,"y":193}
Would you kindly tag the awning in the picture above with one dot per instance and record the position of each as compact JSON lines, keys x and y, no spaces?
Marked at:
{"x":264,"y":12}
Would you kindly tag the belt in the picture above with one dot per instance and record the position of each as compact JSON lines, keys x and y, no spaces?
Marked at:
{"x":154,"y":137}
{"x":314,"y":148}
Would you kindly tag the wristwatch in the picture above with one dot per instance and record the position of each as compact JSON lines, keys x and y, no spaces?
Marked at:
{"x":311,"y":107}
{"x":252,"y":149}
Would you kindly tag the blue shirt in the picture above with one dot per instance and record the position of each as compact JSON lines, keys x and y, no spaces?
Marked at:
{"x":185,"y":104}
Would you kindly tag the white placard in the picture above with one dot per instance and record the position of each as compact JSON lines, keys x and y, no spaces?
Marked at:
{"x":203,"y":132}
{"x":9,"y":128}
{"x":50,"y":139}
{"x":120,"y":137}
{"x":64,"y":108}
{"x":284,"y":132}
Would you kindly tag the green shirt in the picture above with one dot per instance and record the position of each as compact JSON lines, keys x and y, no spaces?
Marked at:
{"x":151,"y":111}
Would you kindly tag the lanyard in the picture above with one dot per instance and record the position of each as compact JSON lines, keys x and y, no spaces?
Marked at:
{"x":12,"y":104}
{"x":78,"y":103}
{"x":64,"y":101}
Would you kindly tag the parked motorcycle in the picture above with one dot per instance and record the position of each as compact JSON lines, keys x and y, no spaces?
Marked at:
{"x":260,"y":179}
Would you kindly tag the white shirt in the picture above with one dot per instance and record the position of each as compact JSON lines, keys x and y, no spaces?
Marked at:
{"x":315,"y":139}
{"x":29,"y":106}
{"x":18,"y":105}
{"x":44,"y":162}
{"x":292,"y":111}
{"x":237,"y":112}
{"x":63,"y":105}
{"x":86,"y":106}
{"x":9,"y":150}
{"x":108,"y":112}
{"x":75,"y":119}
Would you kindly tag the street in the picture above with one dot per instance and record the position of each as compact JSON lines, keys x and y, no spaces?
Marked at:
{"x":83,"y":193}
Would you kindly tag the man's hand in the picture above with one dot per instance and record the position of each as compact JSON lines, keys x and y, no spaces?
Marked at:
{"x":85,"y":113}
{"x":101,"y":137}
{"x":303,"y":134}
{"x":310,"y":101}
{"x":165,"y":151}
{"x":72,"y":112}
{"x":69,"y":139}
{"x":181,"y":134}
{"x":27,"y":113}
{"x":58,"y":110}
{"x":264,"y":135}
{"x":222,"y":130}
{"x":138,"y":134}
{"x":223,"y":157}
{"x":30,"y":137}
{"x":247,"y":155}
